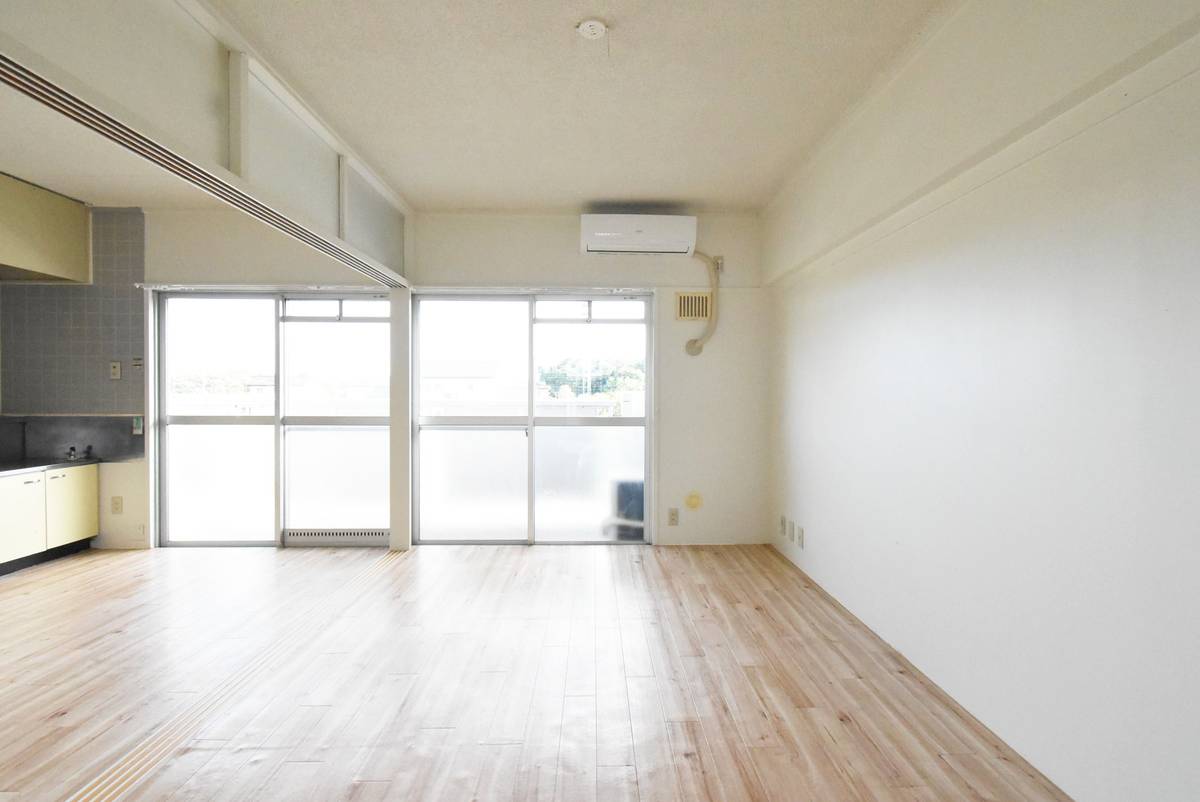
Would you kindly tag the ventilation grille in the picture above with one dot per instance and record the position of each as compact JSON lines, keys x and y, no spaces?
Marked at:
{"x":335,"y":537}
{"x":692,"y":305}
{"x":62,"y":101}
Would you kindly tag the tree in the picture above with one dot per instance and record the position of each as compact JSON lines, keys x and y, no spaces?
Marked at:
{"x":593,"y":377}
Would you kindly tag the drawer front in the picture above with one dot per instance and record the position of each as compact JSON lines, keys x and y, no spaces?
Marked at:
{"x":72,"y":504}
{"x":22,"y":515}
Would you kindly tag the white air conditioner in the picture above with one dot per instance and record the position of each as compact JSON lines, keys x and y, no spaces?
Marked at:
{"x":637,"y":233}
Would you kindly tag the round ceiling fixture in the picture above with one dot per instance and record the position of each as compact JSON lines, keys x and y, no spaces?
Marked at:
{"x":592,"y":29}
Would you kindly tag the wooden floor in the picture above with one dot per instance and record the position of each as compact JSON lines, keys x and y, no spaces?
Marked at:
{"x":467,"y":672}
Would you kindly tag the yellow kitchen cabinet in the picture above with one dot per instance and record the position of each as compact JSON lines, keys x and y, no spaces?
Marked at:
{"x":72,"y":504}
{"x":43,"y":236}
{"x":22,"y":515}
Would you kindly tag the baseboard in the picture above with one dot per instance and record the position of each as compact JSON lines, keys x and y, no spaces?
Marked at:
{"x":44,"y":556}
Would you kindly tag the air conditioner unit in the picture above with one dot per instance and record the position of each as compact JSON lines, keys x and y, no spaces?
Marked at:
{"x":637,"y":233}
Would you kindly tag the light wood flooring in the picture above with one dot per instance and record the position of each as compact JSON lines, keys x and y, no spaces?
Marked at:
{"x":468,"y":672}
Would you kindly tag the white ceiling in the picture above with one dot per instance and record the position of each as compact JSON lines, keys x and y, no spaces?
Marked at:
{"x":502,"y":106}
{"x":45,"y":148}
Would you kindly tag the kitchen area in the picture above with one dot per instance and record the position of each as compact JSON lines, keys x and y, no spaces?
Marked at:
{"x":101,"y":240}
{"x":72,"y":376}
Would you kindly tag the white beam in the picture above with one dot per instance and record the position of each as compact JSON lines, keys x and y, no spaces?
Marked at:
{"x":239,"y":72}
{"x":401,"y":422}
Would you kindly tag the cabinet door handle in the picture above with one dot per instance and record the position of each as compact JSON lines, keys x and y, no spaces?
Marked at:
{"x":32,"y":481}
{"x":60,"y":476}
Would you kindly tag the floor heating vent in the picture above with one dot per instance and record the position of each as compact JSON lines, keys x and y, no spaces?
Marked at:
{"x":335,"y":537}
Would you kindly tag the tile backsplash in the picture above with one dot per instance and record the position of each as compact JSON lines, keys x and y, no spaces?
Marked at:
{"x":57,"y":341}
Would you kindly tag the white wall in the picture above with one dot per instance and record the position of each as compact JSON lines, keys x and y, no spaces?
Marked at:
{"x":542,"y":250}
{"x":147,"y":57}
{"x":994,"y":73}
{"x":987,"y":409}
{"x":129,"y":528}
{"x":710,"y":410}
{"x":221,"y":245}
{"x":711,"y":422}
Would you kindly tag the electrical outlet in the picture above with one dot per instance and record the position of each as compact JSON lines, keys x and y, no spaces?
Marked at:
{"x":673,"y":516}
{"x":118,"y":505}
{"x":114,"y":370}
{"x":782,"y":526}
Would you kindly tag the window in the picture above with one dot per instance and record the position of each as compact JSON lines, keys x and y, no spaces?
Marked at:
{"x":474,"y":358}
{"x":220,"y":356}
{"x":568,"y":467}
{"x":336,"y":477}
{"x":250,"y":452}
{"x":473,"y":484}
{"x":336,"y":369}
{"x":590,"y":371}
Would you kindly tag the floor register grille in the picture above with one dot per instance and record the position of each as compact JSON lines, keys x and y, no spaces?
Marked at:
{"x":335,"y":537}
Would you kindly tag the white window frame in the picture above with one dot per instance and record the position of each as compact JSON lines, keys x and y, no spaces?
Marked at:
{"x":530,"y":422}
{"x":278,"y":420}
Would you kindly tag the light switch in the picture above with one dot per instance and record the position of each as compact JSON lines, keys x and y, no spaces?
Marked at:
{"x":114,"y":370}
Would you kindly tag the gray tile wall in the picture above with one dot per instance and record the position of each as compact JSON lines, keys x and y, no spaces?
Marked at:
{"x":56,"y":342}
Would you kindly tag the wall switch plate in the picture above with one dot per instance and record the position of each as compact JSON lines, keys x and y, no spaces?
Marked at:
{"x":673,"y":516}
{"x":114,"y":370}
{"x":783,"y":526}
{"x":118,"y":505}
{"x":792,"y":531}
{"x":800,"y":536}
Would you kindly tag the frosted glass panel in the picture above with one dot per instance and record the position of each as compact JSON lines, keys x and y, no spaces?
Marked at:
{"x":473,"y":485}
{"x":306,"y":307}
{"x":618,"y":310}
{"x":474,"y":357}
{"x":589,"y":483}
{"x":337,"y":477}
{"x":562,"y":310}
{"x":290,"y":161}
{"x":336,"y":368}
{"x":220,"y":356}
{"x":372,"y":308}
{"x":220,"y":483}
{"x":590,"y":370}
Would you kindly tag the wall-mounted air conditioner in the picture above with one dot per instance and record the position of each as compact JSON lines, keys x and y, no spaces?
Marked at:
{"x":637,"y":233}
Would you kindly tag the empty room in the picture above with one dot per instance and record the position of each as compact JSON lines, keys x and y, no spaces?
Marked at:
{"x":614,"y":401}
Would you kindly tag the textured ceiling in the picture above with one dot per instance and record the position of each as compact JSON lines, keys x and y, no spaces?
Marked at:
{"x":502,"y":106}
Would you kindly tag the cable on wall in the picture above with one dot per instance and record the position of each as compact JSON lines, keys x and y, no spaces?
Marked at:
{"x":715,"y":265}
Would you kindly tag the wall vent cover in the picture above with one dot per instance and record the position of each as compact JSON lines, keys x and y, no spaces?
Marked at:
{"x":693,"y":305}
{"x":335,"y":537}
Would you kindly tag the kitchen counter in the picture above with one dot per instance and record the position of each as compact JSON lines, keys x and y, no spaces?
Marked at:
{"x":35,"y":465}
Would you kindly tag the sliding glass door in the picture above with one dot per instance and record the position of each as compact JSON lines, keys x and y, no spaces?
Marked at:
{"x":531,"y":419}
{"x":220,"y":403}
{"x":275,"y":418}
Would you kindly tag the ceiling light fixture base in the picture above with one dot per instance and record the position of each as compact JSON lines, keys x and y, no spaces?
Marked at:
{"x":592,"y":29}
